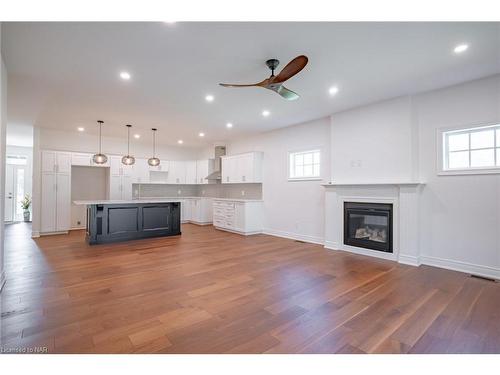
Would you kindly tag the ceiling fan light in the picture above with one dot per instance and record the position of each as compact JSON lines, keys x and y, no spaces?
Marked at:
{"x":99,"y":159}
{"x":128,"y":160}
{"x":154,"y":162}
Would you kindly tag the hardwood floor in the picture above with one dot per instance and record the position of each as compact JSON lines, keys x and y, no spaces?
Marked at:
{"x":214,"y":292}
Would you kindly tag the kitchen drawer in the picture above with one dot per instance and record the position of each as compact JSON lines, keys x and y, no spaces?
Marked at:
{"x":223,"y":204}
{"x":219,"y":211}
{"x":219,"y":223}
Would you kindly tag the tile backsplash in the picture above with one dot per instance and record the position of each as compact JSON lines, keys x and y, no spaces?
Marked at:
{"x":248,"y":191}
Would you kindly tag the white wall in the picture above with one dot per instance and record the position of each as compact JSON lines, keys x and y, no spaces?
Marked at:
{"x":373,"y":143}
{"x":294,"y":209}
{"x":460,"y":215}
{"x":396,"y":141}
{"x":3,"y":126}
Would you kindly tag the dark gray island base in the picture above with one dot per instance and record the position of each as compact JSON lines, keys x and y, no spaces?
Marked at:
{"x":113,"y":222}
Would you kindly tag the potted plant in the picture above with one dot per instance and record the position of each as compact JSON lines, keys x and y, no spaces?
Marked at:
{"x":25,"y":204}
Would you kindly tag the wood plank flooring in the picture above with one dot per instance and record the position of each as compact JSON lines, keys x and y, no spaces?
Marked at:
{"x":210,"y":291}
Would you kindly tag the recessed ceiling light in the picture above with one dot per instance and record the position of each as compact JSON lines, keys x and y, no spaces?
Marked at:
{"x":229,"y":125}
{"x":461,"y":48}
{"x":80,"y":129}
{"x":180,"y":141}
{"x":265,"y":113}
{"x":125,"y":76}
{"x":333,"y":90}
{"x":209,"y":98}
{"x":137,"y":136}
{"x":201,"y":134}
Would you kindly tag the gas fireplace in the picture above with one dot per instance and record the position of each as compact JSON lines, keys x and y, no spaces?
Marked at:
{"x":368,"y":225}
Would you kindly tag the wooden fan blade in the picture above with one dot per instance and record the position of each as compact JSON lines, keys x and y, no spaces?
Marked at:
{"x":292,"y":68}
{"x":259,"y":84}
{"x":287,"y":94}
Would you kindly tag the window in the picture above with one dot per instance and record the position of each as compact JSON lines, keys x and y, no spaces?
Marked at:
{"x":472,"y":149}
{"x":304,"y":165}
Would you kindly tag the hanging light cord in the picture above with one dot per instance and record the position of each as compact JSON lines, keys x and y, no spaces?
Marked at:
{"x":154,"y":143}
{"x":100,"y":128}
{"x":128,"y":140}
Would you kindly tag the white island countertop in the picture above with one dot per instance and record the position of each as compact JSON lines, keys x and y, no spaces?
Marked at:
{"x":124,"y":201}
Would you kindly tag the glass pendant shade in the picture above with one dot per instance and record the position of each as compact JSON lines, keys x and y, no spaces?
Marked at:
{"x":100,"y":158}
{"x":154,"y":161}
{"x":128,"y":159}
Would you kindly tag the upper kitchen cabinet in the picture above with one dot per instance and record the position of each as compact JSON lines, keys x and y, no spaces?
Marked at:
{"x":242,"y":168}
{"x":177,"y":172}
{"x":191,"y":172}
{"x":82,"y":159}
{"x":203,"y":169}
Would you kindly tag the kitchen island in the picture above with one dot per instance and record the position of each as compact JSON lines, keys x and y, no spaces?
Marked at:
{"x":122,"y":220}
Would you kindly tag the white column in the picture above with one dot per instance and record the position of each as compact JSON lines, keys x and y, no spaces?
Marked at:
{"x":409,"y":249}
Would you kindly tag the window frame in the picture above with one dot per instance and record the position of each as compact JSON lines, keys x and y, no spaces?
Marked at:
{"x":305,"y":151}
{"x":443,"y":152}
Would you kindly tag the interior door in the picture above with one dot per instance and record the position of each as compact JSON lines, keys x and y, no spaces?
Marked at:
{"x":9,"y":192}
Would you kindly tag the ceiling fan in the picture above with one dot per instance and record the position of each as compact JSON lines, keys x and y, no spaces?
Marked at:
{"x":275,"y":83}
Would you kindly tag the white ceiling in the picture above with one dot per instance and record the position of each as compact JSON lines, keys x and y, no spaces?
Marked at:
{"x":65,"y":75}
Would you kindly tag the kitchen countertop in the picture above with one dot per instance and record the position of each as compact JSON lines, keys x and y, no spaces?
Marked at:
{"x":157,"y":200}
{"x":237,"y":200}
{"x":126,"y":201}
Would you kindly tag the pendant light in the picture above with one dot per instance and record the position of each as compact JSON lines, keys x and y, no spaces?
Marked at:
{"x":154,"y":161}
{"x":100,"y":158}
{"x":128,"y":159}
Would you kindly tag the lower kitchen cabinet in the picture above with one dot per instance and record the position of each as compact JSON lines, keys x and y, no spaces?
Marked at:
{"x":239,"y":216}
{"x":196,"y":210}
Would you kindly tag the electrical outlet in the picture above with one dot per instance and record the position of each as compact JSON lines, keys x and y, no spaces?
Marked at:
{"x":203,"y":192}
{"x":179,"y":192}
{"x":78,"y":222}
{"x":243,"y":193}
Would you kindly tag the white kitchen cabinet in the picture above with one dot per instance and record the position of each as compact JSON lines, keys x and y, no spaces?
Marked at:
{"x":163,"y":167}
{"x":177,"y":172}
{"x":55,"y":191}
{"x":120,"y":179}
{"x":242,"y":168}
{"x":197,"y":210}
{"x":203,"y":169}
{"x":239,"y":216}
{"x":81,"y":159}
{"x":141,"y":172}
{"x":191,"y":172}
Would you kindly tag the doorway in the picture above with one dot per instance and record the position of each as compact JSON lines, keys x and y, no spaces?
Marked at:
{"x":15,"y":182}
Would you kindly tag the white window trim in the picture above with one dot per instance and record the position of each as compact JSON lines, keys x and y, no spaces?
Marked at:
{"x":298,"y":179}
{"x":440,"y":143}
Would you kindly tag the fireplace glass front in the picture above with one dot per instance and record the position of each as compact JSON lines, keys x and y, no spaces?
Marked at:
{"x":368,"y":225}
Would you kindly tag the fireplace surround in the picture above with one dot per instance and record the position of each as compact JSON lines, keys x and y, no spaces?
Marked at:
{"x":404,"y":198}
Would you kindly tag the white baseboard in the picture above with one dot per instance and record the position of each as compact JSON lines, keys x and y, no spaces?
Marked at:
{"x":409,"y":260}
{"x":3,"y":279}
{"x":465,"y":267}
{"x":53,"y":233}
{"x":238,"y":232}
{"x":294,"y":236}
{"x":35,"y":234}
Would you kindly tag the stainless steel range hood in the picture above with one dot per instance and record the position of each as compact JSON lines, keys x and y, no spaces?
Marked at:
{"x":217,"y":173}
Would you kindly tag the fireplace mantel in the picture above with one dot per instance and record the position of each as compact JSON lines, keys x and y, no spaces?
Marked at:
{"x":403,"y":195}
